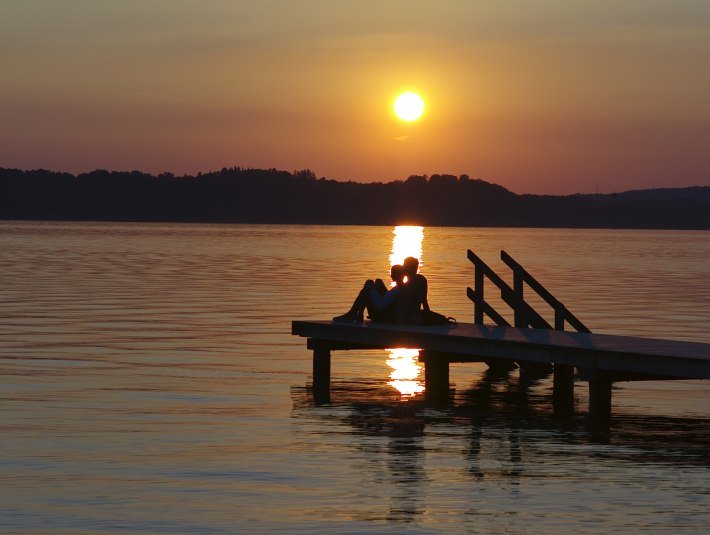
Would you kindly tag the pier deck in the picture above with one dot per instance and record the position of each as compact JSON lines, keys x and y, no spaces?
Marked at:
{"x":601,"y":359}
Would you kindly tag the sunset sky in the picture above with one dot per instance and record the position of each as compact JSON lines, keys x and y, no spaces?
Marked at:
{"x":547,"y":96}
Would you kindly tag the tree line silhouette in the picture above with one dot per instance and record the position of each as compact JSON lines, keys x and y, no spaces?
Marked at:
{"x":242,"y":195}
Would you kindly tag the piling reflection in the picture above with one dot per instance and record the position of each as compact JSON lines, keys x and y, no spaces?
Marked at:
{"x":497,"y":432}
{"x":406,"y":375}
{"x":504,"y":419}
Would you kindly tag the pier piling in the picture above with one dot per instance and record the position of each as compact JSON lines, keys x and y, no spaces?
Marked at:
{"x":436,"y":375}
{"x":563,"y":390}
{"x":600,"y":397}
{"x":321,"y":372}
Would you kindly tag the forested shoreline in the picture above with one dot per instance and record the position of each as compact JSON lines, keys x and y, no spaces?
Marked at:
{"x":239,"y":195}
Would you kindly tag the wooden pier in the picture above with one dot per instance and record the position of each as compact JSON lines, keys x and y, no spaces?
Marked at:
{"x":600,"y":359}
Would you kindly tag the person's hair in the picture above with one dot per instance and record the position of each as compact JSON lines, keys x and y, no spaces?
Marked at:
{"x":397,"y":272}
{"x":411,"y":265}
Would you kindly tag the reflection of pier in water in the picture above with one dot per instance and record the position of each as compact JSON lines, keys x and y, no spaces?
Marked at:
{"x":498,"y":430}
{"x":506,"y":419}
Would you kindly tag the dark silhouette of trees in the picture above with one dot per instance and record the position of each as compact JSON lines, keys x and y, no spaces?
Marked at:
{"x":242,"y":195}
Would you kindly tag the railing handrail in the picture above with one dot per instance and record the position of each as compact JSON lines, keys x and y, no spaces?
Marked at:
{"x":507,"y":294}
{"x":492,"y":275}
{"x":525,"y":315}
{"x":532,"y":282}
{"x":544,"y":293}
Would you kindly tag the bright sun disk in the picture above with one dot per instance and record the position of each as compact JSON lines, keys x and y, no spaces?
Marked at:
{"x":409,"y":106}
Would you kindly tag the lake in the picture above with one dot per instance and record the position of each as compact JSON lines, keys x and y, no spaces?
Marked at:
{"x":150,"y":384}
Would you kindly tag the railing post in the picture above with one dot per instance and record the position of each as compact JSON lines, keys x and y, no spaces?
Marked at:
{"x":559,"y":319}
{"x":519,"y":314}
{"x":478,"y":287}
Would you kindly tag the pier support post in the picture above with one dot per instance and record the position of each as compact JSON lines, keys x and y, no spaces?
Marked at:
{"x":436,"y":375}
{"x":600,"y":397}
{"x":321,"y":372}
{"x":563,"y":390}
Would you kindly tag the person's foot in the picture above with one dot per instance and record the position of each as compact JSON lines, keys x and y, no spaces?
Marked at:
{"x":348,"y":317}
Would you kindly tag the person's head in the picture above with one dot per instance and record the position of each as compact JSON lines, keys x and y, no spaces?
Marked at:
{"x":397,"y":273}
{"x":411,"y":265}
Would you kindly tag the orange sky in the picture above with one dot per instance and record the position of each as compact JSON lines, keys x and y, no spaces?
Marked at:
{"x":549,"y":96}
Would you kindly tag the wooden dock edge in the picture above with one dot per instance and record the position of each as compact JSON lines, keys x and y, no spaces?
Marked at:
{"x":613,"y":359}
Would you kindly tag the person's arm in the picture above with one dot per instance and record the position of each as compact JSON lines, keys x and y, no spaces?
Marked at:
{"x":425,"y":291}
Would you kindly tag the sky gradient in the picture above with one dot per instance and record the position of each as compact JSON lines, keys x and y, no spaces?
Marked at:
{"x":550,"y":96}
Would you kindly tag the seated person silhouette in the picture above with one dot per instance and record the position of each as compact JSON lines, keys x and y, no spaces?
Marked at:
{"x":376,"y":299}
{"x":413,"y":298}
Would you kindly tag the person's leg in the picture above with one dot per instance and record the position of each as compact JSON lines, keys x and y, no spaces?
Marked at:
{"x":380,"y":286}
{"x":362,"y":301}
{"x":373,"y":302}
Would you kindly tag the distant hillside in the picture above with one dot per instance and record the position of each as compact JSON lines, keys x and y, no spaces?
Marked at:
{"x":698,"y":193}
{"x":237,"y":195}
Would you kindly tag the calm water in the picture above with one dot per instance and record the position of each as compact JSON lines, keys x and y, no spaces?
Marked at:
{"x":150,"y":384}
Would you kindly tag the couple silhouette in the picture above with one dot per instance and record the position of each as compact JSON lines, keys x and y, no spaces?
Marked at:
{"x":403,"y":303}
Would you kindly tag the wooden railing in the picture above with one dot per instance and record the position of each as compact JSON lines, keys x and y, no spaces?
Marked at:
{"x":524,"y":314}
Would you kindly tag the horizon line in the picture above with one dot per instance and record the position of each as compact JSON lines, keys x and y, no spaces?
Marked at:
{"x":345,"y":181}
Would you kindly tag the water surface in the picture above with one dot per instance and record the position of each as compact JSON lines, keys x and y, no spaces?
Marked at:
{"x":150,"y":384}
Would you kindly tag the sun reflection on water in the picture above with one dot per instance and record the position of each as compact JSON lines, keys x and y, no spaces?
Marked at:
{"x":406,"y":370}
{"x":407,"y":242}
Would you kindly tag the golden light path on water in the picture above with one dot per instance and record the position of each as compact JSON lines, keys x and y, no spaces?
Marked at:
{"x":406,"y":370}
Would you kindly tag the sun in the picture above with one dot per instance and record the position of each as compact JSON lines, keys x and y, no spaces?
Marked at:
{"x":409,"y":106}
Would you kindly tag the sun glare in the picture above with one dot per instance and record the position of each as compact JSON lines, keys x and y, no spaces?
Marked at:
{"x":409,"y":106}
{"x":406,"y":369}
